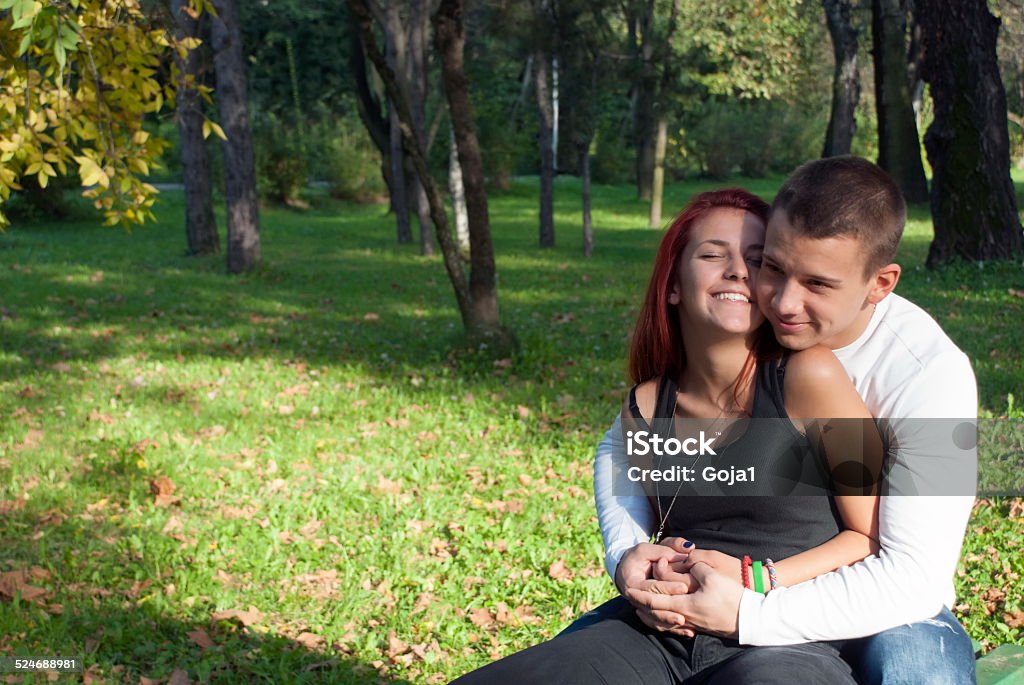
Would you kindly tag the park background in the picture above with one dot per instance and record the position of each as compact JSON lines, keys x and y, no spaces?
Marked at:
{"x":359,"y":448}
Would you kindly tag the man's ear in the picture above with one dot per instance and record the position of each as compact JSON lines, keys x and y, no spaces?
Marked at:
{"x":883,"y":282}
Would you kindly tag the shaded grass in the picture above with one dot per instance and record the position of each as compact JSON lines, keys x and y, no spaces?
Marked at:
{"x":390,"y":513}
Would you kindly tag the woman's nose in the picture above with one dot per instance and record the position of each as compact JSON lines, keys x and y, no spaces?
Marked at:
{"x":736,"y":271}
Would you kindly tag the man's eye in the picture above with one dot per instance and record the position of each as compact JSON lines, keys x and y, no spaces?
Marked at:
{"x":756,"y":261}
{"x":817,"y":285}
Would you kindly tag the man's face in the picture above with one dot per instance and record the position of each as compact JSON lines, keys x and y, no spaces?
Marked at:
{"x":813,"y":290}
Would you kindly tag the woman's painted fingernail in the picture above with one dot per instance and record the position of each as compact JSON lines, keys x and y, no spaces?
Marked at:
{"x":687,"y":544}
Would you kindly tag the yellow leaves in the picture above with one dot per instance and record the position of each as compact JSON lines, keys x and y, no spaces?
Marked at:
{"x":139,"y":165}
{"x":83,"y":114}
{"x":45,"y":172}
{"x":211,"y":126}
{"x":91,"y":173}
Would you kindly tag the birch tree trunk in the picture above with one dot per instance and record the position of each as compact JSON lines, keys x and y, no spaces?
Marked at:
{"x":458,"y":194}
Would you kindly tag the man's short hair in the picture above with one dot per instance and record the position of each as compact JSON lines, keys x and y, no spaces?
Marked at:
{"x":846,"y":196}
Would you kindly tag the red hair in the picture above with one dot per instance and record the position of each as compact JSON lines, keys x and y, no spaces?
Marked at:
{"x":657,"y":345}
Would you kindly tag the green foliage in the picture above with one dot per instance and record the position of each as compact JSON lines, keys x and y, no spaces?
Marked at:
{"x":318,"y":31}
{"x":613,"y":157}
{"x":352,"y":164}
{"x":752,"y":137}
{"x":281,"y":161}
{"x":751,"y":50}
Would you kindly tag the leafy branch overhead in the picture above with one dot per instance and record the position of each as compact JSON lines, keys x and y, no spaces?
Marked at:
{"x":74,"y":94}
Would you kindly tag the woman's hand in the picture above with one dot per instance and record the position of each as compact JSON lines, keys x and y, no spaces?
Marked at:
{"x":721,"y":562}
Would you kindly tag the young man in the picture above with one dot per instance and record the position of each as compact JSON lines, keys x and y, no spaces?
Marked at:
{"x":827,"y":279}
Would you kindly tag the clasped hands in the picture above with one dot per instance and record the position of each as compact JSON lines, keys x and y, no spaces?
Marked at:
{"x":680,"y":589}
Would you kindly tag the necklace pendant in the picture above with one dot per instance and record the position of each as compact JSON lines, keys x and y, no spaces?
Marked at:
{"x":657,"y":536}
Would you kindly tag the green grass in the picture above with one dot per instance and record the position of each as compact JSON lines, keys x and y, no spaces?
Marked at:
{"x":390,"y":512}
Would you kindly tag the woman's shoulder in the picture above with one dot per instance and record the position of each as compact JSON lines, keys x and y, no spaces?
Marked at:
{"x":814,"y":365}
{"x":817,"y":385}
{"x":643,"y":397}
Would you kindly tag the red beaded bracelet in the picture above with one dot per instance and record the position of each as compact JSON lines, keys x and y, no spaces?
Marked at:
{"x":745,"y":570}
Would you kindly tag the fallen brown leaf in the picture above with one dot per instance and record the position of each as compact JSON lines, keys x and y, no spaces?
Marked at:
{"x":201,"y":638}
{"x":481,"y":617}
{"x":310,"y":640}
{"x":163,"y":488}
{"x":179,"y":677}
{"x":1014,"y":619}
{"x":558,"y":571}
{"x":247,"y":618}
{"x":13,"y":582}
{"x":396,"y":647}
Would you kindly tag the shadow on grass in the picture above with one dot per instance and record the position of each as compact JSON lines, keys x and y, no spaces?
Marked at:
{"x":122,"y":626}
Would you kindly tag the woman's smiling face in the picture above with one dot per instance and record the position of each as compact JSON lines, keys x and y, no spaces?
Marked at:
{"x":715,"y":282}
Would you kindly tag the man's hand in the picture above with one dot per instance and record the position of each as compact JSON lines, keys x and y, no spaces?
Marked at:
{"x":641,"y":566}
{"x":638,"y":563}
{"x":712,"y":607}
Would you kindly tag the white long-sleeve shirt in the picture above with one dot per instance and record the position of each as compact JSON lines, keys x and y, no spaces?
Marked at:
{"x":904,"y":367}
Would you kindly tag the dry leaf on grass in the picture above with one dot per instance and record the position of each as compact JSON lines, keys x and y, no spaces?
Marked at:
{"x":481,"y":617}
{"x":1014,"y":619}
{"x":558,"y":571}
{"x":179,"y":677}
{"x":201,"y":638}
{"x":13,"y":582}
{"x":309,"y":640}
{"x":162,"y":489}
{"x":246,"y":618}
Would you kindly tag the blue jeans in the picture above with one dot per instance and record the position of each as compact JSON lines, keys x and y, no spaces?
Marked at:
{"x":936,"y":651}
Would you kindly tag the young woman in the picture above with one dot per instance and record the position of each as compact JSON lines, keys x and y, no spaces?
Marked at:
{"x":702,"y":350}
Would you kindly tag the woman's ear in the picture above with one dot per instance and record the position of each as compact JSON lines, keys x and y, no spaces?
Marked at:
{"x":673,"y":297}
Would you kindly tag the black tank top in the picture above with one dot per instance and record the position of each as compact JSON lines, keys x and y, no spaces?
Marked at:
{"x":771,"y":526}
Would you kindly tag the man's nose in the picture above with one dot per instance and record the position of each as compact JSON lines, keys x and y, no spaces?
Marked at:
{"x":786,"y":300}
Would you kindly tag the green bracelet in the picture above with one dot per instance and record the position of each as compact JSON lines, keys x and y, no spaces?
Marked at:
{"x":758,"y":581}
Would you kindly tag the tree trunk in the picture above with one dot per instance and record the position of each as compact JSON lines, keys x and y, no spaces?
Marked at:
{"x":477,"y":299}
{"x":449,"y":33}
{"x":200,"y":225}
{"x":842,"y":124}
{"x":899,"y":151}
{"x":547,"y":162}
{"x":644,"y":135}
{"x":588,"y":230}
{"x":458,"y":194}
{"x":644,"y":95}
{"x":416,"y":75}
{"x":658,"y":177}
{"x":394,"y":41}
{"x":972,"y":200}
{"x":915,"y":55}
{"x":369,"y":108}
{"x":661,"y":135}
{"x":239,"y":170}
